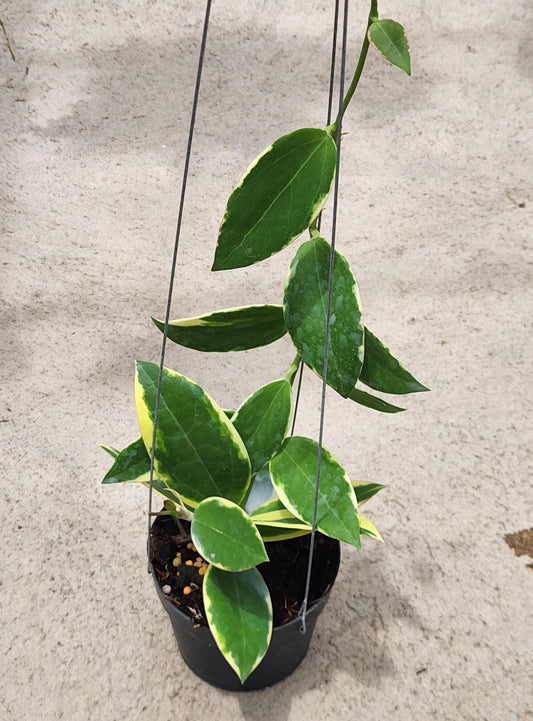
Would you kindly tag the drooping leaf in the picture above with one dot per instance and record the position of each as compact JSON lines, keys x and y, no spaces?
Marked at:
{"x":262,"y":421}
{"x":239,"y":613}
{"x":226,"y":536}
{"x":132,"y":465}
{"x":233,"y":329}
{"x":382,"y":372}
{"x":280,"y":195}
{"x":198,"y":451}
{"x":389,"y":39}
{"x":368,"y":528}
{"x":370,"y":401}
{"x":305,"y":305}
{"x":364,"y":490}
{"x":294,"y":472}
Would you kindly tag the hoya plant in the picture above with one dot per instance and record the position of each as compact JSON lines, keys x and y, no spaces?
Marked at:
{"x":238,"y":476}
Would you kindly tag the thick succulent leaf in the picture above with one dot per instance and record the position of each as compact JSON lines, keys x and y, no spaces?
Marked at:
{"x":389,"y":39}
{"x":365,"y":490}
{"x":233,"y":329}
{"x":306,"y":303}
{"x":132,"y":465}
{"x":278,"y":533}
{"x":262,"y":421}
{"x":261,"y":491}
{"x":280,"y":195}
{"x":382,"y":372}
{"x":368,"y":528}
{"x":274,"y":513}
{"x":239,"y":613}
{"x":370,"y":401}
{"x":294,"y":472}
{"x":226,"y":536}
{"x":198,"y":451}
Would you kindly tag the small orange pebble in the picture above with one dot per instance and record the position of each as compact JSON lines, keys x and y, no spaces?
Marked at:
{"x":189,"y":546}
{"x":199,"y":558}
{"x":202,"y":571}
{"x":188,"y":563}
{"x":176,"y":562}
{"x":187,"y":590}
{"x":198,"y":564}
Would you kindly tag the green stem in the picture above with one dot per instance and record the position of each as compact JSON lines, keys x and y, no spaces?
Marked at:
{"x":7,"y":40}
{"x":292,"y":370}
{"x":372,"y":17}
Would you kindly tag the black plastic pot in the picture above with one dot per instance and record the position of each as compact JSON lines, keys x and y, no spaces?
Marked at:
{"x":288,"y":646}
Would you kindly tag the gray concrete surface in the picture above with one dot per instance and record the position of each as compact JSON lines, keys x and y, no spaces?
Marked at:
{"x":435,"y":216}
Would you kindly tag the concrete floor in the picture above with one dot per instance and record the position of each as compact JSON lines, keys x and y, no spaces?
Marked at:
{"x":435,"y":216}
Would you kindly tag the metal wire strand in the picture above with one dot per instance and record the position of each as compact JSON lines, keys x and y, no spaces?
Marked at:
{"x":319,"y":221}
{"x":303,"y":609}
{"x":173,"y":269}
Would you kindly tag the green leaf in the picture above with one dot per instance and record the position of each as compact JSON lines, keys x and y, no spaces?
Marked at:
{"x":280,"y":195}
{"x":109,"y":449}
{"x":233,"y":329}
{"x":262,"y":421}
{"x":365,"y":490}
{"x":389,"y":39}
{"x":306,"y":303}
{"x":274,"y":513}
{"x":294,"y":477}
{"x":368,"y":528}
{"x":198,"y":451}
{"x":370,"y":401}
{"x":269,"y":533}
{"x":262,"y":490}
{"x":382,"y":372}
{"x":226,"y":536}
{"x":132,"y":465}
{"x":239,"y":613}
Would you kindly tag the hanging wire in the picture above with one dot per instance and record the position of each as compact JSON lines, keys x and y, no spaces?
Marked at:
{"x":319,"y":221}
{"x":303,"y":610}
{"x":173,"y":270}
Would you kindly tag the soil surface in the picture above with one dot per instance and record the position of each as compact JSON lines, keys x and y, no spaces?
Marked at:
{"x":177,"y":566}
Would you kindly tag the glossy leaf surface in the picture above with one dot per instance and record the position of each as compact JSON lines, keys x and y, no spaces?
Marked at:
{"x":294,"y":476}
{"x":365,"y":490}
{"x":239,"y":613}
{"x":262,"y":490}
{"x":132,"y":465}
{"x":262,"y":421}
{"x":233,"y":329}
{"x":370,"y":401}
{"x":274,"y":513}
{"x":382,"y":372}
{"x":226,"y":536}
{"x":389,"y":39}
{"x":198,"y":451}
{"x":278,"y":198}
{"x":368,"y":528}
{"x":306,"y":303}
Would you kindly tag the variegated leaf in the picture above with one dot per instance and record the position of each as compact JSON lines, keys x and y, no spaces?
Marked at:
{"x":198,"y":451}
{"x":280,"y":195}
{"x":239,"y":613}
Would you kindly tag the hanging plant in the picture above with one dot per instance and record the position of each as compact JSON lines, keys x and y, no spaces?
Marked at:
{"x":237,"y":477}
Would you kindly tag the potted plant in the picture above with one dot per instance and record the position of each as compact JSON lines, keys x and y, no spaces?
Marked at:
{"x":235,"y":484}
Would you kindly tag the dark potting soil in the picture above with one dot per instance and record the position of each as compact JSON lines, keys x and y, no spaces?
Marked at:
{"x":174,"y":558}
